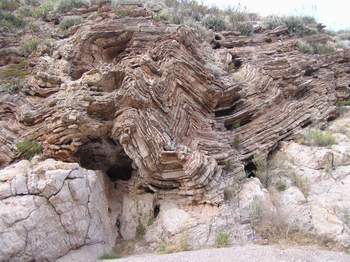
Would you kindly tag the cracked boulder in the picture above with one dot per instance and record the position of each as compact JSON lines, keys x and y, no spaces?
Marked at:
{"x":51,"y":211}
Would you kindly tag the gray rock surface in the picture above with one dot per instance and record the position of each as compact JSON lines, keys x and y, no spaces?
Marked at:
{"x":316,"y":197}
{"x":51,"y":210}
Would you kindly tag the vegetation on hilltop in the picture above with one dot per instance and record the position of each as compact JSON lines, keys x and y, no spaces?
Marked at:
{"x":189,"y":12}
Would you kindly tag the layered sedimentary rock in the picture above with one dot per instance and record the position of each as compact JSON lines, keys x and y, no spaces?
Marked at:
{"x":135,"y":97}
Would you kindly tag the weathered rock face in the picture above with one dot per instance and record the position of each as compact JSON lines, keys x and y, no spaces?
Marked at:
{"x":174,"y":109}
{"x":53,"y":211}
{"x":315,"y":198}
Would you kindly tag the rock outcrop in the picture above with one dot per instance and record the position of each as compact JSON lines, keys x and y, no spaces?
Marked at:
{"x":179,"y":109}
{"x":53,"y":211}
{"x":163,"y":126}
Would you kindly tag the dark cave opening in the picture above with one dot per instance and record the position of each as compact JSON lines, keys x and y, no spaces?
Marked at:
{"x":215,"y":44}
{"x":156,"y":211}
{"x":250,"y":168}
{"x":217,"y":37}
{"x":236,"y":61}
{"x":119,"y":172}
{"x":106,"y":155}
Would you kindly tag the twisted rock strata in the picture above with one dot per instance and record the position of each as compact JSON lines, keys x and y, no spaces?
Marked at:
{"x":135,"y":96}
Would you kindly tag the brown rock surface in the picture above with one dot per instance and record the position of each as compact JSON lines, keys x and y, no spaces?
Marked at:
{"x":179,"y":109}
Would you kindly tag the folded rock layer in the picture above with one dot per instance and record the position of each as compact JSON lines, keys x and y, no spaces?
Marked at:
{"x":177,"y":109}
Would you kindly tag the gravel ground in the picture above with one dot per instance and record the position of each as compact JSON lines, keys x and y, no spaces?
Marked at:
{"x":250,"y":253}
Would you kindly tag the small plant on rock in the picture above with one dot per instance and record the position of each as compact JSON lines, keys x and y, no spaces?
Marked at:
{"x":67,"y":5}
{"x":281,"y":185}
{"x":12,"y":76}
{"x":222,"y":239}
{"x":319,"y":138}
{"x":29,"y":148}
{"x":305,"y":47}
{"x":215,"y":22}
{"x":314,"y":48}
{"x":10,"y":22}
{"x":236,"y":141}
{"x":108,"y":256}
{"x":161,"y":16}
{"x":302,"y":183}
{"x":344,"y":102}
{"x":30,"y":45}
{"x":140,"y":231}
{"x":180,"y":246}
{"x":69,"y":21}
{"x":44,"y":9}
{"x":262,"y":169}
{"x":9,"y":5}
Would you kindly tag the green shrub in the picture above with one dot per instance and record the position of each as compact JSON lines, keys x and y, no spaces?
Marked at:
{"x":314,"y":48}
{"x":229,"y":165}
{"x":345,"y":216}
{"x":150,"y":221}
{"x":161,"y":16}
{"x":67,"y":5}
{"x":69,"y":21}
{"x":200,"y":30}
{"x":302,"y":183}
{"x":281,"y":185}
{"x":222,"y":239}
{"x":33,"y":27}
{"x":319,"y":138}
{"x":299,"y":25}
{"x":262,"y":169}
{"x":14,"y":71}
{"x":121,"y":13}
{"x":29,"y":148}
{"x":140,"y":231}
{"x":305,"y":47}
{"x":9,"y":5}
{"x":273,"y":21}
{"x":108,"y":256}
{"x":240,"y":20}
{"x":237,"y":14}
{"x":9,"y":22}
{"x":115,"y":3}
{"x":236,"y":141}
{"x":245,"y":28}
{"x":231,"y":192}
{"x":177,"y":18}
{"x":295,"y":24}
{"x":323,"y":49}
{"x":214,"y":22}
{"x":25,"y":11}
{"x":12,"y":77}
{"x":182,"y":245}
{"x":236,"y":124}
{"x":12,"y":87}
{"x":344,"y":103}
{"x":29,"y":46}
{"x":43,"y":10}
